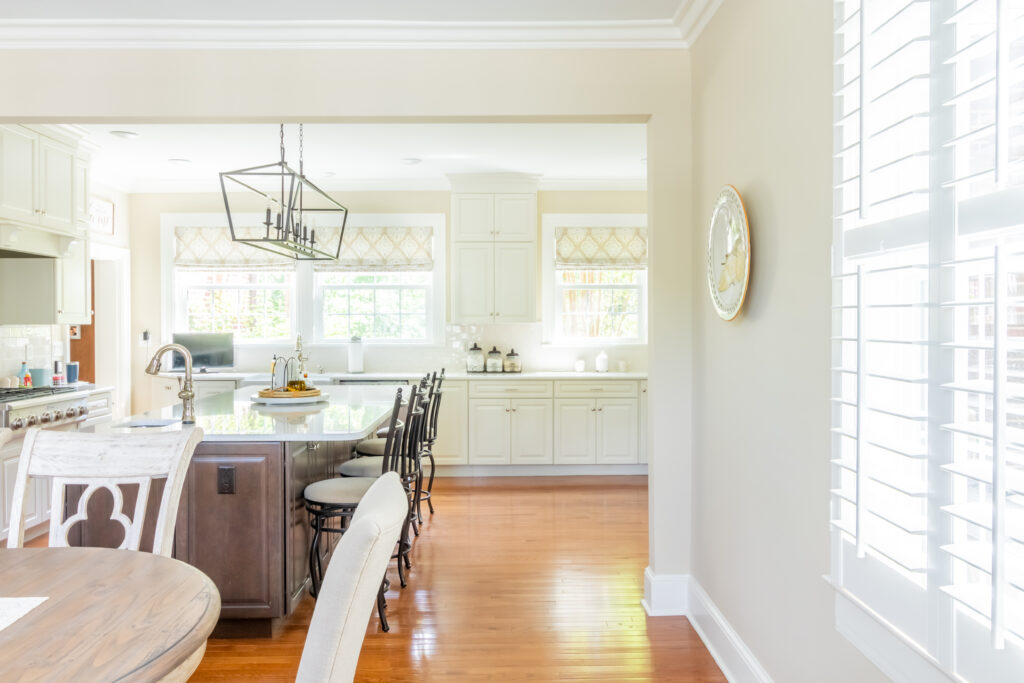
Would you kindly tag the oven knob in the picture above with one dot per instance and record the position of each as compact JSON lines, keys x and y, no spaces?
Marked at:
{"x":30,"y":421}
{"x":69,"y":413}
{"x":17,"y":423}
{"x":84,"y":410}
{"x":45,"y":418}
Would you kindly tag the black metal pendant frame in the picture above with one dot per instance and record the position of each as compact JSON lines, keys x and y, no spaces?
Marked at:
{"x":287,"y":235}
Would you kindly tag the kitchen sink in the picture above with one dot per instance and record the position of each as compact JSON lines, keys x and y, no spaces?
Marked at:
{"x":143,"y":423}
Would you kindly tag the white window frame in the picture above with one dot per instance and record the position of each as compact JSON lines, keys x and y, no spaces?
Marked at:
{"x":305,"y":309}
{"x":549,"y":278}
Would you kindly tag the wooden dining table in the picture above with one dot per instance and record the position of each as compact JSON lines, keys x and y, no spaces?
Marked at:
{"x":108,"y":615}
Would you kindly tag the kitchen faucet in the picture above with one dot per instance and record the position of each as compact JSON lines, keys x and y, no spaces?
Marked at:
{"x":186,"y":392}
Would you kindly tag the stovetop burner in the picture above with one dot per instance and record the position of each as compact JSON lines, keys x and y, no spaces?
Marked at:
{"x":18,"y":393}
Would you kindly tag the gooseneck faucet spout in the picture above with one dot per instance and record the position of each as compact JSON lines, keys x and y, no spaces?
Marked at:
{"x":186,"y":392}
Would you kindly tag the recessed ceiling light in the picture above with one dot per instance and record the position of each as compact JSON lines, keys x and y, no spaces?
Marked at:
{"x":179,"y":162}
{"x":124,"y":134}
{"x":327,"y":174}
{"x":411,"y":161}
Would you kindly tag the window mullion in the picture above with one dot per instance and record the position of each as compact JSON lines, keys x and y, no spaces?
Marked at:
{"x":941,"y":285}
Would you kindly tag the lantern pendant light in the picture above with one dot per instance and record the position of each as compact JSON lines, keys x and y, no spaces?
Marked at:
{"x":295,"y":208}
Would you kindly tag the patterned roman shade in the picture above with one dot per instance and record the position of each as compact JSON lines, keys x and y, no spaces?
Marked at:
{"x":382,"y":249}
{"x":204,"y":248}
{"x":601,"y":248}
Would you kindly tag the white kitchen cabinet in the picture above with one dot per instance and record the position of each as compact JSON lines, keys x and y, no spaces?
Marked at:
{"x":451,"y":447}
{"x":574,"y":427}
{"x":55,"y":190}
{"x":74,"y":285}
{"x":515,"y":283}
{"x":38,"y":180}
{"x":488,"y":432}
{"x":33,"y":515}
{"x":17,"y":174}
{"x":515,"y":217}
{"x":82,"y":190}
{"x":206,"y":388}
{"x":472,"y":217}
{"x":530,"y":432}
{"x":599,"y":431}
{"x":472,"y":283}
{"x":163,"y":392}
{"x":616,"y":431}
{"x":642,"y":448}
{"x":493,"y":283}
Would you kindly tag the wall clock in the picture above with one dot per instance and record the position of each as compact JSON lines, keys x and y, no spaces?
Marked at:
{"x":728,"y":264}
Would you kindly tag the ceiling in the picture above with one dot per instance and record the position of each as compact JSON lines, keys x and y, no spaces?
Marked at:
{"x":346,"y":24}
{"x":372,"y":156}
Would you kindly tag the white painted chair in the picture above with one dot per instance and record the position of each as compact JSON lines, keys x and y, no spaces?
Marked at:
{"x":351,"y":585}
{"x":102,"y":461}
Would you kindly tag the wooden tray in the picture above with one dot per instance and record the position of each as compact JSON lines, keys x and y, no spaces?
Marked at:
{"x":279,"y":393}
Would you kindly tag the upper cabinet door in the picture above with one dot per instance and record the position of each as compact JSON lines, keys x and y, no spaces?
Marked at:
{"x":472,"y":283}
{"x":515,"y":283}
{"x":82,"y":193}
{"x":17,"y":175}
{"x":74,"y":285}
{"x":515,"y":217}
{"x":56,"y":187}
{"x":472,"y":217}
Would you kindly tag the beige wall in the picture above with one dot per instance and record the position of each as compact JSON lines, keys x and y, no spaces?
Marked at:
{"x":762,"y":113}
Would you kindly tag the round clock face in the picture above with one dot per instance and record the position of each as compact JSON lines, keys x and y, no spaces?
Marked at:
{"x":728,"y":264}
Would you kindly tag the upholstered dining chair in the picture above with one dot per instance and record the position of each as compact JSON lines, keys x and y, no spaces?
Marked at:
{"x":351,"y":584}
{"x":105,"y":461}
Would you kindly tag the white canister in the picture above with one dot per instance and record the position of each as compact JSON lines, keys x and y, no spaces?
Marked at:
{"x":355,"y":354}
{"x":601,"y":362}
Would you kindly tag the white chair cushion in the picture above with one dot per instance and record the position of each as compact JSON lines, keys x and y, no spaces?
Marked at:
{"x":371,"y":447}
{"x":339,"y":491}
{"x":367,"y":466}
{"x":350,"y":587}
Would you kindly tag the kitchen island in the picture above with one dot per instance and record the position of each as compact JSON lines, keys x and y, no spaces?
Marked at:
{"x":242,"y":519}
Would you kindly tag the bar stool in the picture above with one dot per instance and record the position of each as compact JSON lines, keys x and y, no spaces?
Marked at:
{"x":431,"y":436}
{"x":368,"y":458}
{"x":338,"y":498}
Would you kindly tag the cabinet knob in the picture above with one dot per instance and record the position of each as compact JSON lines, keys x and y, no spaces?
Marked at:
{"x":498,"y":313}
{"x":60,"y":311}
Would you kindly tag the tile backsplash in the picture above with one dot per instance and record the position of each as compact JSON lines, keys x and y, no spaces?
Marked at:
{"x":39,"y":345}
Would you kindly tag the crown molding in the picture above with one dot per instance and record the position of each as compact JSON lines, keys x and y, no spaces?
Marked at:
{"x":692,"y":16}
{"x":337,"y":35}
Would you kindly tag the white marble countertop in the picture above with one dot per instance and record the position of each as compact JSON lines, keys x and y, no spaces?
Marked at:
{"x":350,"y":413}
{"x":458,"y":375}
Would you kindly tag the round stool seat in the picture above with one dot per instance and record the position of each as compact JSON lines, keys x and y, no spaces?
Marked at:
{"x":339,"y":491}
{"x":368,"y":466}
{"x":371,"y":447}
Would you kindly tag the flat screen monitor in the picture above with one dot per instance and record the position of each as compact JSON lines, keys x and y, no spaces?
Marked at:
{"x":208,"y":350}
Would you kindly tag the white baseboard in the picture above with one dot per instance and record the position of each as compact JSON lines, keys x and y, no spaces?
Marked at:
{"x":665,"y":595}
{"x":536,"y":470}
{"x":733,"y":656}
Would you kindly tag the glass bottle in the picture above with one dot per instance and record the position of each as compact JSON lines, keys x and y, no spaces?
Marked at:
{"x":512,"y":362}
{"x":494,"y":363}
{"x":475,"y":359}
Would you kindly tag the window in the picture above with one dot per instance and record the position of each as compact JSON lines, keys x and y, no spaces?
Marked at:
{"x":927,"y":367}
{"x":599,"y":304}
{"x":375,"y":306}
{"x":256,"y":306}
{"x":595,"y":278}
{"x":388,"y":285}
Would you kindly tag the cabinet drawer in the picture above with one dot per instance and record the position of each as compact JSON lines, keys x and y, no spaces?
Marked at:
{"x":99,"y":404}
{"x":509,"y":389}
{"x":579,"y":389}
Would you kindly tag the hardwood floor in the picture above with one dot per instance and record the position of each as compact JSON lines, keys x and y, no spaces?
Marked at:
{"x":512,"y":580}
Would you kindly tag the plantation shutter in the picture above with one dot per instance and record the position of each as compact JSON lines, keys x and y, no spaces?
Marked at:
{"x":928,"y":325}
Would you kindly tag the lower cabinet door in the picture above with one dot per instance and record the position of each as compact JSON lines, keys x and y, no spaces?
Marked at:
{"x":452,"y":437}
{"x":616,"y":431}
{"x":574,"y":431}
{"x":488,"y":432}
{"x":530,"y":433}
